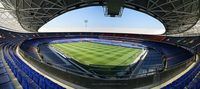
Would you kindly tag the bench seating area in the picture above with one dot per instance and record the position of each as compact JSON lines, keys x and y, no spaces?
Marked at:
{"x":30,"y":79}
{"x":189,"y":80}
{"x":5,"y":80}
{"x":27,"y":77}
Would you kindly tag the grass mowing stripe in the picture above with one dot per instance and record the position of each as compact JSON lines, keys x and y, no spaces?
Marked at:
{"x":135,"y":56}
{"x":77,"y":55}
{"x":122,"y":57}
{"x":84,"y":57}
{"x":128,"y":56}
{"x":108,"y":56}
{"x":100,"y":54}
{"x":114,"y":57}
{"x":97,"y":47}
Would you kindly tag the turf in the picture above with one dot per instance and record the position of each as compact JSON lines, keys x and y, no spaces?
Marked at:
{"x":89,"y":53}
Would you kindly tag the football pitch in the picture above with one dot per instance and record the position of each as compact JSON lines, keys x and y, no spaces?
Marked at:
{"x":90,"y":53}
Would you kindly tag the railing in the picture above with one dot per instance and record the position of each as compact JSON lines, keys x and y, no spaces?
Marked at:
{"x":83,"y":79}
{"x":172,"y":71}
{"x":76,"y":71}
{"x":79,"y":77}
{"x":83,"y":73}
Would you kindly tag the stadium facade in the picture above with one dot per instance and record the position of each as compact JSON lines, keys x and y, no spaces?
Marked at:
{"x":170,"y":60}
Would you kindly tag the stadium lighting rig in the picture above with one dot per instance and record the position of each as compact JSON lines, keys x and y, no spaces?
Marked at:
{"x":85,"y":21}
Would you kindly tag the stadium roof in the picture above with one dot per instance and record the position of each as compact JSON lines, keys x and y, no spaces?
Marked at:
{"x":177,"y":15}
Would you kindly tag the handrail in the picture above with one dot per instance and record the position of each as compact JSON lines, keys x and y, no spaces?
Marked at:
{"x":89,"y":75}
{"x":75,"y":71}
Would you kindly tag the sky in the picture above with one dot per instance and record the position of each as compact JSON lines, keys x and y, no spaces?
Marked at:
{"x":131,"y":21}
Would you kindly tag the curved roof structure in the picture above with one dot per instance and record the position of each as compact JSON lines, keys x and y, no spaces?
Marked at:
{"x":176,"y":15}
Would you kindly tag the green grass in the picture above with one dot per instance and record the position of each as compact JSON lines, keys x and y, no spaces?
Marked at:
{"x":89,"y":53}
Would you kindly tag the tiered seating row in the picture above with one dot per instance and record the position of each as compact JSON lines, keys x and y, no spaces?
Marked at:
{"x":186,"y":79}
{"x":174,"y":54}
{"x":28,"y":78}
{"x":189,"y":42}
{"x":195,"y":84}
{"x":23,"y":79}
{"x":5,"y":80}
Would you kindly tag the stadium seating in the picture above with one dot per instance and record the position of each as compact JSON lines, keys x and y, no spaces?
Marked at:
{"x":5,"y":80}
{"x":189,"y":79}
{"x":153,"y":57}
{"x":174,"y":54}
{"x":189,"y":42}
{"x":30,"y":79}
{"x":195,"y":84}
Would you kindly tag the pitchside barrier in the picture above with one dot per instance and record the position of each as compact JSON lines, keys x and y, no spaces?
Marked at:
{"x":93,"y":82}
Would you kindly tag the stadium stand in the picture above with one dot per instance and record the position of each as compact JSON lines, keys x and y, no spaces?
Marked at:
{"x":5,"y":81}
{"x":27,"y":77}
{"x":177,"y":53}
{"x":34,"y":44}
{"x":152,"y":61}
{"x":189,"y":80}
{"x":27,"y":61}
{"x":195,"y":83}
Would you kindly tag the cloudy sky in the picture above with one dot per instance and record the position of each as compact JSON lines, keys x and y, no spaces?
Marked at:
{"x":130,"y":22}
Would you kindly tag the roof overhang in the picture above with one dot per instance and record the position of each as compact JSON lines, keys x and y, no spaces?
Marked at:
{"x":176,"y":15}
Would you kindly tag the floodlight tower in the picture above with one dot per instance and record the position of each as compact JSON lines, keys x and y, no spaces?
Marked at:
{"x":85,"y":21}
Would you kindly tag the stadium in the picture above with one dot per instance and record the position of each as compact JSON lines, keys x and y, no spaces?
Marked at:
{"x":30,"y":59}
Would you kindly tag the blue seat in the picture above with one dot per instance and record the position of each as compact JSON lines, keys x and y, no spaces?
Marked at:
{"x":27,"y":77}
{"x":24,"y":82}
{"x":2,"y":70}
{"x":19,"y":76}
{"x":49,"y":84}
{"x":52,"y":85}
{"x":42,"y":82}
{"x":30,"y":73}
{"x":8,"y":85}
{"x":1,"y":61}
{"x":4,"y":78}
{"x":1,"y":65}
{"x":36,"y":77}
{"x":32,"y":84}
